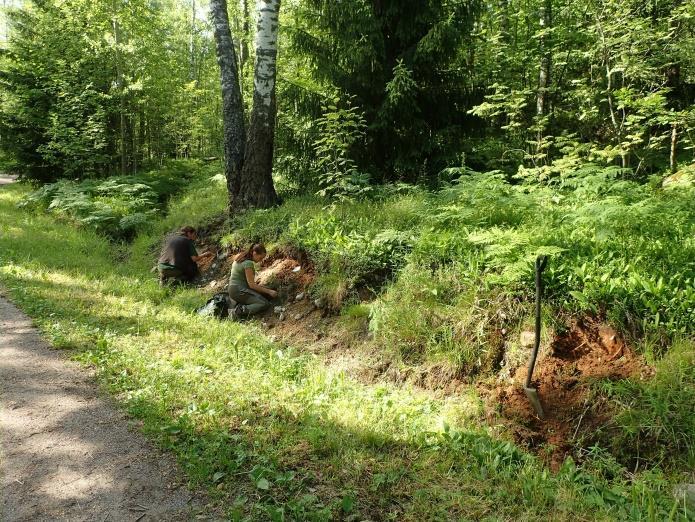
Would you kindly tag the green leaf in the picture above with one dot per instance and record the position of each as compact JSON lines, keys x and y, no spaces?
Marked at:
{"x":348,"y":504}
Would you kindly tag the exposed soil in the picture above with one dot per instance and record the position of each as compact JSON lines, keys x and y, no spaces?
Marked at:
{"x":66,"y":450}
{"x":587,"y":351}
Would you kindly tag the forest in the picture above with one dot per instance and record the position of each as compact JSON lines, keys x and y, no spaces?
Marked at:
{"x":405,"y":163}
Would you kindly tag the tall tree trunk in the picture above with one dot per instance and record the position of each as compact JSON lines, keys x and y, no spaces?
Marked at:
{"x":674,"y":144}
{"x":257,"y":188}
{"x":134,"y":149}
{"x":120,"y":83}
{"x":544,"y":75}
{"x":191,"y":43}
{"x":232,"y":107}
{"x":244,"y":40}
{"x":141,"y":136}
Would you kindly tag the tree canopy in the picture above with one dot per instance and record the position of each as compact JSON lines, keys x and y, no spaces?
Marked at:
{"x":411,"y":89}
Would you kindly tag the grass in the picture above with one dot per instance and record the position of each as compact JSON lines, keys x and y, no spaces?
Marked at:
{"x":462,"y":258}
{"x":270,"y":431}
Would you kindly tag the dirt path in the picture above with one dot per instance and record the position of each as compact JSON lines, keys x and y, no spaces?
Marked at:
{"x":66,"y":452}
{"x":6,"y":179}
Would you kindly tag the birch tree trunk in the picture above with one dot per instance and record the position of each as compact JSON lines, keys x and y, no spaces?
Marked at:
{"x":257,"y":188}
{"x":232,"y":107}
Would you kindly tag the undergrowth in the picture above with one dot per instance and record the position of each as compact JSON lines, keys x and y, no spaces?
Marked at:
{"x":461,"y":259}
{"x":119,"y":206}
{"x":275,"y":435}
{"x":655,"y":423}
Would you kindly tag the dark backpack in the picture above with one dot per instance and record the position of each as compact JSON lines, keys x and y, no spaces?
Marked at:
{"x":216,"y":306}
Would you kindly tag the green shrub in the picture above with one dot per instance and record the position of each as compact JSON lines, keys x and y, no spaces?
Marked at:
{"x":617,"y":247}
{"x":118,"y":206}
{"x":656,"y":419}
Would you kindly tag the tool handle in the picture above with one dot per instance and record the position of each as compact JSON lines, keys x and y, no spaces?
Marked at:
{"x":541,"y":261}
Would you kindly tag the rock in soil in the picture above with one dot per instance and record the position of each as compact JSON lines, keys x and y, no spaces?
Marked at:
{"x":685,"y":493}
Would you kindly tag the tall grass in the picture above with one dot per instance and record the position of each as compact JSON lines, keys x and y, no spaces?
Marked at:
{"x":461,"y":259}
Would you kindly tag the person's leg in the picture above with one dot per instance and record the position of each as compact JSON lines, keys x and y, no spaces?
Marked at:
{"x":168,"y":274}
{"x":253,"y":302}
{"x":190,"y":275}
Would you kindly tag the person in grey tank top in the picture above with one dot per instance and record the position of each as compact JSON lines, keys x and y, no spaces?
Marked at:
{"x":251,"y":297}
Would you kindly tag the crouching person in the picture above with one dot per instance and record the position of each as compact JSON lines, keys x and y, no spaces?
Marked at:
{"x":251,"y":297}
{"x":179,"y":257}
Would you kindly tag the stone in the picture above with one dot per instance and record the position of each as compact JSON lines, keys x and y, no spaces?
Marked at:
{"x":282,"y":317}
{"x":297,"y":317}
{"x":296,"y":269}
{"x":319,"y":303}
{"x":526,"y":339}
{"x":279,"y":309}
{"x":685,"y":493}
{"x":681,"y":179}
{"x":299,"y":297}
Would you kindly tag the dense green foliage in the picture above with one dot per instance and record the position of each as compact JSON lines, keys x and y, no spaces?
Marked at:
{"x":91,"y":88}
{"x":655,"y":423}
{"x":271,"y":430}
{"x":617,"y":248}
{"x":101,"y":87}
{"x":121,"y":205}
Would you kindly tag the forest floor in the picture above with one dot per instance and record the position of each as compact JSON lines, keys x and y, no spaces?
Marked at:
{"x":67,"y":451}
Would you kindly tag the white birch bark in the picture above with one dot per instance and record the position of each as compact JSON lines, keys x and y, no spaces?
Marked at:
{"x":266,"y":51}
{"x":257,"y":188}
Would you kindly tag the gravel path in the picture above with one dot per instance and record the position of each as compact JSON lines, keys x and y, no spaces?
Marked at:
{"x":66,"y":452}
{"x":6,"y":179}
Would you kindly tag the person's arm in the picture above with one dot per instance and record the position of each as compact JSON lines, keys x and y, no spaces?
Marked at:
{"x":197,"y":258}
{"x":251,"y":281}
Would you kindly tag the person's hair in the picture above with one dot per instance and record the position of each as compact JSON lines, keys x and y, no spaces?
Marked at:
{"x":256,"y":248}
{"x":184,"y":231}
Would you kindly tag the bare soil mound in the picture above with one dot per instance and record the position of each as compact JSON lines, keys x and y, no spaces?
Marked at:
{"x":587,"y":351}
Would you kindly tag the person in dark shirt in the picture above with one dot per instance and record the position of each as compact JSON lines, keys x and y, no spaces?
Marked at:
{"x":179,"y":258}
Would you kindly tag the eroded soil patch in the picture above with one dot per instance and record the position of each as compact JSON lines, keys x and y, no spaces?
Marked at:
{"x":587,"y":351}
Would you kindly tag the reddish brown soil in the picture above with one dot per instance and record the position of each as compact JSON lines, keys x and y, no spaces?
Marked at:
{"x":587,"y":351}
